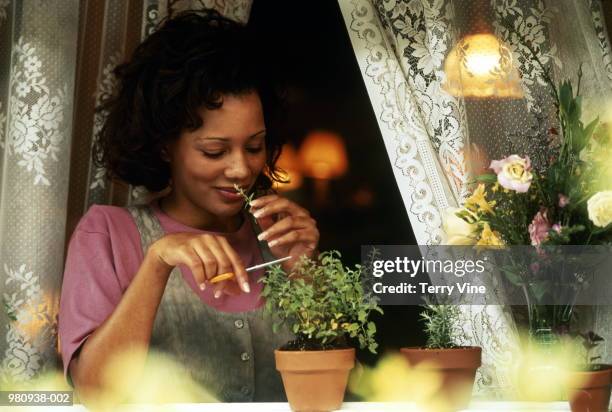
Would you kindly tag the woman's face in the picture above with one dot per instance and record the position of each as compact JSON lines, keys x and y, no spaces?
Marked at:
{"x":228,"y":149}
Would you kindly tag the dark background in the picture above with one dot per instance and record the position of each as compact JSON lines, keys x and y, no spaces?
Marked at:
{"x":309,"y":49}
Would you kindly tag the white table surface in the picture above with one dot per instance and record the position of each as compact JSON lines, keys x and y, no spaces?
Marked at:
{"x":284,"y":407}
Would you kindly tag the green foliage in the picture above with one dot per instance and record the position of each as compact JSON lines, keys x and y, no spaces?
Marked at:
{"x":590,"y":341}
{"x":441,"y":325}
{"x":322,"y":302}
{"x":247,"y":198}
{"x":8,"y":310}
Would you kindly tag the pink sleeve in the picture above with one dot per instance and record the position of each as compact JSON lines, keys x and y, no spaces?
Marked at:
{"x":93,"y":284}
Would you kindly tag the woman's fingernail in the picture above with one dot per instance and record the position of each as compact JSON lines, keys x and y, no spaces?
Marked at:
{"x":272,"y":243}
{"x":217,"y":294}
{"x":258,"y":214}
{"x":262,"y":235}
{"x":246,"y":287}
{"x":202,"y":286}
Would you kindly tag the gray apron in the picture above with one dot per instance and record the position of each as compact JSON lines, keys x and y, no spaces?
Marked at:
{"x":231,"y":355}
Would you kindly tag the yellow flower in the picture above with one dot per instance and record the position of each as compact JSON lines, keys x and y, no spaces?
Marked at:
{"x":478,"y":200}
{"x":489,"y":237}
{"x":599,"y":207}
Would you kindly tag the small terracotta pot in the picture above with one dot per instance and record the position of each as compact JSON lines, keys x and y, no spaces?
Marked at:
{"x":457,"y":371}
{"x":315,"y":381}
{"x":589,"y":391}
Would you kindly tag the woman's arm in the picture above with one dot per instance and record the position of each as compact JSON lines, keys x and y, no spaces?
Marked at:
{"x":128,"y":327}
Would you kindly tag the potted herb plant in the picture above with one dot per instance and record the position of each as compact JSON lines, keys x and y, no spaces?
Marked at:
{"x":589,"y":386}
{"x":324,"y":304}
{"x":455,"y":365}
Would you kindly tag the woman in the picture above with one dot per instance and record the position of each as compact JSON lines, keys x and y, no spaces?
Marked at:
{"x":189,"y":117}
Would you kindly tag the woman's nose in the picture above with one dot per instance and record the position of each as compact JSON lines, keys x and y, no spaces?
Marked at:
{"x":237,"y":167}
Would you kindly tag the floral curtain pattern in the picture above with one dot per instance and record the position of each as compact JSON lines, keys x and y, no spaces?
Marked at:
{"x":35,"y":143}
{"x":58,"y":58}
{"x":238,"y":10}
{"x":401,"y":46}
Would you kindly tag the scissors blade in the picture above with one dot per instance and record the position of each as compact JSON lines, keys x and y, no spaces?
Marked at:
{"x":266,"y":264}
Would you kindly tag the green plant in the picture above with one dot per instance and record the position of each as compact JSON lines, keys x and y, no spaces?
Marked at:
{"x":441,"y":325}
{"x":590,"y":341}
{"x":323,"y":303}
{"x":247,"y":198}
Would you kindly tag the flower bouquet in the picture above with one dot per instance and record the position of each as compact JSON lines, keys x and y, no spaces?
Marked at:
{"x":567,"y":202}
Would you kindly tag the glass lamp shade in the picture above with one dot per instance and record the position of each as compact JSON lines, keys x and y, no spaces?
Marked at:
{"x":323,"y":155}
{"x":481,"y":66}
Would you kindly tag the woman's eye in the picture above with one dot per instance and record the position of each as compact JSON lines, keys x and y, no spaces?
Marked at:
{"x":212,"y":155}
{"x":254,"y":149}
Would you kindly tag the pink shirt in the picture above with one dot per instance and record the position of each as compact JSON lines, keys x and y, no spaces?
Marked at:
{"x":104,"y":254}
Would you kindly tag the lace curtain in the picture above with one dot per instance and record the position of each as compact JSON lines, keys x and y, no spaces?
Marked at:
{"x":401,"y":46}
{"x":48,"y":92}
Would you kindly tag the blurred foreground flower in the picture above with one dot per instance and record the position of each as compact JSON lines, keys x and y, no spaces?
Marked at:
{"x":599,"y":207}
{"x":127,"y":388}
{"x":393,"y":379}
{"x":542,"y":371}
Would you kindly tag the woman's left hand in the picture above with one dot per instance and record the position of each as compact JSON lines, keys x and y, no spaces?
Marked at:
{"x":287,"y":227}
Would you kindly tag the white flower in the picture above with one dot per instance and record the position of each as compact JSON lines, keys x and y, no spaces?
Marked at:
{"x":458,"y":231}
{"x":22,"y":89}
{"x":32,"y":64}
{"x":599,"y":207}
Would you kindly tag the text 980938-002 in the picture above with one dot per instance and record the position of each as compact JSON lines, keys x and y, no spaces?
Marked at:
{"x":36,"y":398}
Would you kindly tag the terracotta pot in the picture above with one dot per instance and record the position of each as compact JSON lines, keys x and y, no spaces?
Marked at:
{"x":315,"y":381}
{"x":457,"y":370}
{"x":589,"y":391}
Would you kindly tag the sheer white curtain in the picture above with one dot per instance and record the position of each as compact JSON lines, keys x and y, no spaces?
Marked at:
{"x":56,"y":58}
{"x":401,"y":47}
{"x":36,"y":89}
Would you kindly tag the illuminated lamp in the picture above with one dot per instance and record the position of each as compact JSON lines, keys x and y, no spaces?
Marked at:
{"x":323,"y":157}
{"x":480,"y":65}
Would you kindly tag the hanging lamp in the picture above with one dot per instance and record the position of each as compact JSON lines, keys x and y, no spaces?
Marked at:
{"x":480,"y":65}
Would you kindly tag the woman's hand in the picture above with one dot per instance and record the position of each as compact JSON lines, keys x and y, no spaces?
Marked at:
{"x":206,"y":256}
{"x":287,"y":227}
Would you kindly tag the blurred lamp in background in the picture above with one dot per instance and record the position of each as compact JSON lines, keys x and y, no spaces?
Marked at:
{"x":290,"y":165}
{"x":480,"y":65}
{"x":323,"y":157}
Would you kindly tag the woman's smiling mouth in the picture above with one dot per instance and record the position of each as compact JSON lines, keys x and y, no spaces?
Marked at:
{"x":229,"y":193}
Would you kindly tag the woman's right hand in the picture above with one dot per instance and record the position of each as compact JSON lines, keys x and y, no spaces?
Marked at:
{"x":206,"y":256}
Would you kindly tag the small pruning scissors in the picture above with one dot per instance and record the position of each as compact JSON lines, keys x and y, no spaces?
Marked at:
{"x":229,"y":275}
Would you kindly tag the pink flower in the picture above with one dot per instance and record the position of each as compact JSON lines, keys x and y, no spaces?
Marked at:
{"x":513,"y":173}
{"x":563,"y":200}
{"x":557,"y":227}
{"x":539,"y":227}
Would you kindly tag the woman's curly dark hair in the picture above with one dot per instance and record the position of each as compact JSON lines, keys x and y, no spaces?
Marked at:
{"x":189,"y":62}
